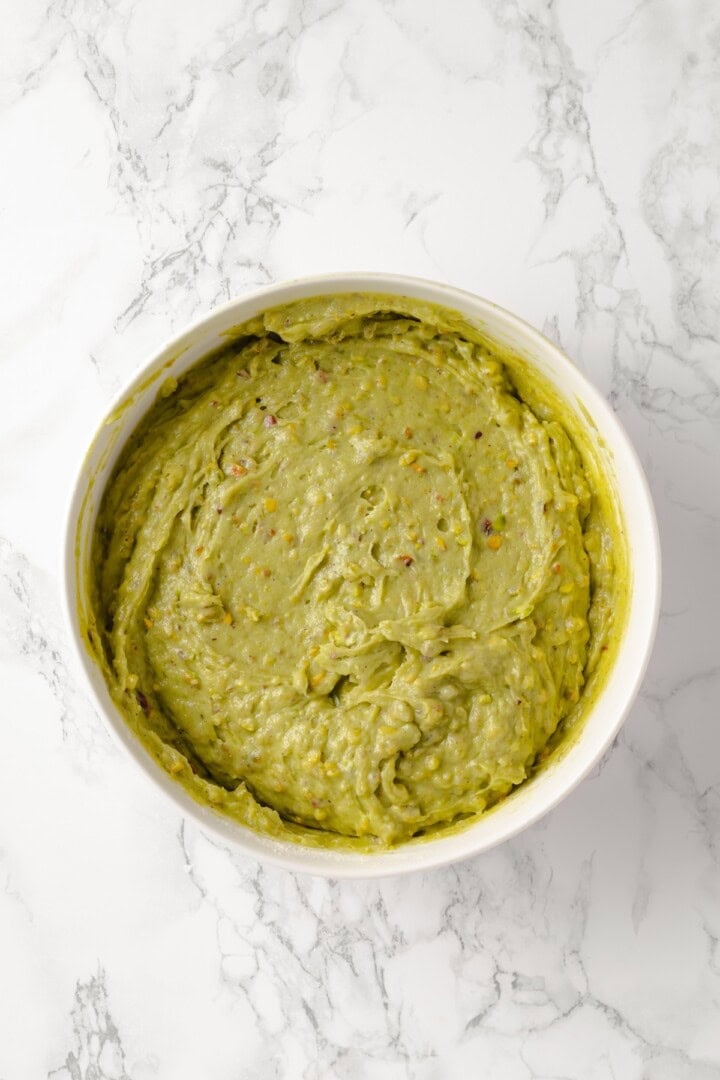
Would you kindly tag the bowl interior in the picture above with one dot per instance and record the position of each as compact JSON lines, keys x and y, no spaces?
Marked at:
{"x":528,"y":802}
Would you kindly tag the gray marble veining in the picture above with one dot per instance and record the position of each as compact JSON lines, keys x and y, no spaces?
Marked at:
{"x":562,"y":158}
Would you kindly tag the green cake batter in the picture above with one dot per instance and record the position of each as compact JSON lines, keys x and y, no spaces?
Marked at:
{"x":353,"y":573}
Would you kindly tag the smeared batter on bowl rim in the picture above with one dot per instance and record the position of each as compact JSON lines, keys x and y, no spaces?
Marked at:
{"x":352,"y":576}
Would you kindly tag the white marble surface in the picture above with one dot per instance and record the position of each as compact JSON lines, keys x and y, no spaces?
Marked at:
{"x":562,"y":158}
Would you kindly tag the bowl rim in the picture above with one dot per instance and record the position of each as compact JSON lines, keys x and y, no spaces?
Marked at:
{"x":430,"y":853}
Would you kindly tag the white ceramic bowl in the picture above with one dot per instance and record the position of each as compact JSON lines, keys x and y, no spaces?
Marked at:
{"x":530,"y":801}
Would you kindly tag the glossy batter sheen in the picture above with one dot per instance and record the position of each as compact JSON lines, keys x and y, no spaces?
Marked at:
{"x":348,"y":580}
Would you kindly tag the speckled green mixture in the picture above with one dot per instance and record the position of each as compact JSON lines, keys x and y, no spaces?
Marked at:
{"x":348,"y":582}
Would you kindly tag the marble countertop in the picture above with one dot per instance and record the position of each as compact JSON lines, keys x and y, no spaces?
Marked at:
{"x":561,"y":157}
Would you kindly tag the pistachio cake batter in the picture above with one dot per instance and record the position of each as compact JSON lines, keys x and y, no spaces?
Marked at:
{"x":349,"y":580}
